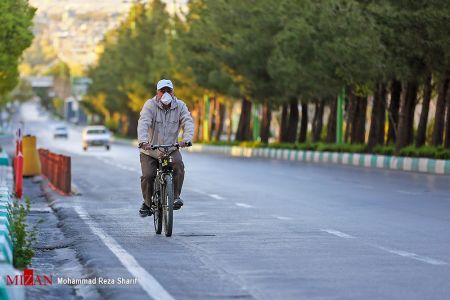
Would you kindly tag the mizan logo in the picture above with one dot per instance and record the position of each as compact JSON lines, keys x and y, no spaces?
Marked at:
{"x":28,"y":278}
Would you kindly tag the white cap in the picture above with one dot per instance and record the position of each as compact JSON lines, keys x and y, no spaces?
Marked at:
{"x":164,"y":83}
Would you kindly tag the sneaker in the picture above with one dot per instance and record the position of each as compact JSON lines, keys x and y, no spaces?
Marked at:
{"x":145,"y":211}
{"x":177,"y":204}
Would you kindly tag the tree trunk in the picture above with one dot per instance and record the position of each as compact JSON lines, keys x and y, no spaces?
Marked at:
{"x":406,"y":117}
{"x":197,"y":114}
{"x":220,"y":117}
{"x":212,"y":117}
{"x":244,"y":129}
{"x":230,"y":122}
{"x":303,"y":124}
{"x":331,"y":130}
{"x":351,"y":109}
{"x":376,"y":134}
{"x":133,"y":118}
{"x":282,"y":137}
{"x":318,"y":121}
{"x":447,"y":122}
{"x":265,"y":123}
{"x":382,"y":115}
{"x":413,"y":88}
{"x":422,"y":129}
{"x":359,"y":121}
{"x":439,"y":117}
{"x":291,"y":136}
{"x":396,"y":89}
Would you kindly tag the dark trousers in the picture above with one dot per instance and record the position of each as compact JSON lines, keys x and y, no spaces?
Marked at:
{"x":149,"y":166}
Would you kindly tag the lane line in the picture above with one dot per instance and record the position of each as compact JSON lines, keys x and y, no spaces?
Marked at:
{"x":338,"y":233}
{"x":282,"y":218}
{"x":197,"y":191}
{"x":148,"y":283}
{"x":243,"y":205}
{"x":407,"y":192}
{"x":425,"y":259}
{"x":216,"y":197}
{"x":365,"y":186}
{"x":411,"y":255}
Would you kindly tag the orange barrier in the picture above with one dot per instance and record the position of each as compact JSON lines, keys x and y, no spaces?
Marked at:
{"x":57,"y":169}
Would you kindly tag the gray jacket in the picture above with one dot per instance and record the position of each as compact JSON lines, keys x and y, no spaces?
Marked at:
{"x":159,"y":126}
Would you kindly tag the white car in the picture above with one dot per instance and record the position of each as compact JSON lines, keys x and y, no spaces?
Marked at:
{"x":96,"y":136}
{"x":60,"y":131}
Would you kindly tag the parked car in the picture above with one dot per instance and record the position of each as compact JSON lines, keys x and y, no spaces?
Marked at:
{"x":60,"y":131}
{"x":96,"y":136}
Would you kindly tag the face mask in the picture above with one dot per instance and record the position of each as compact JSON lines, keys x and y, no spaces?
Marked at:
{"x":166,"y":98}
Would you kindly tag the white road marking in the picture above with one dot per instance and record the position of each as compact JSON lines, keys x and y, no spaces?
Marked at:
{"x":402,"y":253}
{"x":148,"y":283}
{"x":338,"y":233}
{"x":243,"y":205}
{"x":117,"y":165}
{"x":407,"y":192}
{"x":411,"y":255}
{"x":282,"y":218}
{"x":216,"y":197}
{"x":197,"y":191}
{"x":368,"y":187}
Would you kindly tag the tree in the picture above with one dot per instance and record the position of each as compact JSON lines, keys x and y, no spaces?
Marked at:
{"x":323,"y":47}
{"x":136,"y":56}
{"x":15,"y":36}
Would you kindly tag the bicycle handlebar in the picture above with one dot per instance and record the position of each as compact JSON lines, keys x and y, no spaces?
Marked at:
{"x":154,"y":147}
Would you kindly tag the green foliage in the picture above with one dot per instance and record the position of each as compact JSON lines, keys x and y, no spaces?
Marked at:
{"x":136,"y":55}
{"x":15,"y":36}
{"x":21,"y":236}
{"x":23,"y":91}
{"x":384,"y":150}
{"x":112,"y":125}
{"x":325,"y":45}
{"x":426,"y":151}
{"x":352,"y":148}
{"x":269,"y":51}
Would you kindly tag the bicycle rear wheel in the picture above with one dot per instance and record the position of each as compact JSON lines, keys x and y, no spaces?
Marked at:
{"x":168,"y":205}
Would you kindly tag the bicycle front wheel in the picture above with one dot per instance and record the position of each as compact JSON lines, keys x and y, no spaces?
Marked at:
{"x":168,"y":205}
{"x":157,"y":213}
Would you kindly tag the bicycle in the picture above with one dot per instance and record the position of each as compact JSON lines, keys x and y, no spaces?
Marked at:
{"x":163,"y":191}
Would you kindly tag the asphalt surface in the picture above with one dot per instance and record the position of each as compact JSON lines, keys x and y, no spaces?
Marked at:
{"x":256,"y":228}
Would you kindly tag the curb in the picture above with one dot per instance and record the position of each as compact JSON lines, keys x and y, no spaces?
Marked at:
{"x":4,"y":159}
{"x":6,"y":244}
{"x":408,"y":164}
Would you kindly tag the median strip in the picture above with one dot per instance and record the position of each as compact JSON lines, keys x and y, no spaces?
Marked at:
{"x":410,"y":164}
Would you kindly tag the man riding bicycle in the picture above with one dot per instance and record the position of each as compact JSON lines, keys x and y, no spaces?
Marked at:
{"x":159,"y":123}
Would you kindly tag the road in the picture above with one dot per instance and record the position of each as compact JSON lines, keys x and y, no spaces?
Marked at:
{"x":256,"y":228}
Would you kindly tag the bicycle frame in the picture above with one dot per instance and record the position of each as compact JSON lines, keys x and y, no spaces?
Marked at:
{"x":163,"y":195}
